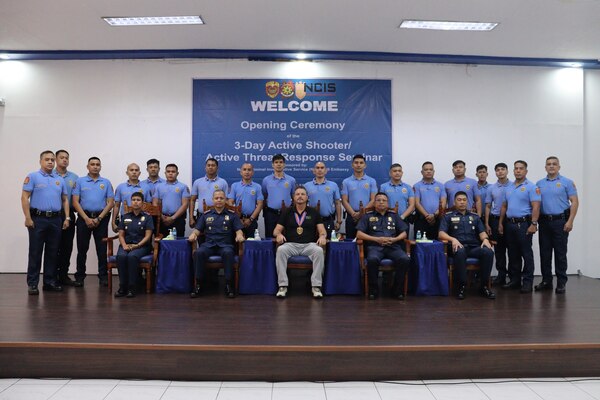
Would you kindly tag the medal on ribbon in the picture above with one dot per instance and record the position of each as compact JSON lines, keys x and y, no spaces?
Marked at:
{"x":300,"y":220}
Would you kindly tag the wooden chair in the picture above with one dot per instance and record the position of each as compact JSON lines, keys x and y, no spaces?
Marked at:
{"x":386,"y":265}
{"x":216,"y":262}
{"x":149,"y":262}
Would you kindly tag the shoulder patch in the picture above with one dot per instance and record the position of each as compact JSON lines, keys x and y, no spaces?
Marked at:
{"x":26,"y":181}
{"x":537,"y":190}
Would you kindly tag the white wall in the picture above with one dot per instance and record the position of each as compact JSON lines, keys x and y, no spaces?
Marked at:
{"x":115,"y":109}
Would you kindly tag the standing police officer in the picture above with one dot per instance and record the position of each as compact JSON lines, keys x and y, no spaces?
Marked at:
{"x":357,"y":188}
{"x":66,"y":240}
{"x":464,"y":230}
{"x":173,"y":198}
{"x":430,"y":197}
{"x":43,"y":199}
{"x":385,"y":230}
{"x":124,"y":191}
{"x":93,"y":198}
{"x":461,"y":183}
{"x":399,"y":192}
{"x":249,"y":193}
{"x":203,"y":189}
{"x":558,"y":210}
{"x":521,"y":211}
{"x":276,"y":188}
{"x":327,"y":194}
{"x":493,"y":205}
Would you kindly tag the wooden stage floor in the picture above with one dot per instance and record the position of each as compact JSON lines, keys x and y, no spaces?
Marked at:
{"x":86,"y":333}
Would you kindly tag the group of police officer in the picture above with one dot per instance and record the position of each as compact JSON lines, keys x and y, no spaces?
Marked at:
{"x":470,"y":214}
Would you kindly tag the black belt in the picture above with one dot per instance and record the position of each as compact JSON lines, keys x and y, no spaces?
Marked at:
{"x":492,"y":216}
{"x":553,"y":217}
{"x":92,"y":214}
{"x":519,"y":219}
{"x":274,"y":210}
{"x":47,"y":214}
{"x":328,"y":218}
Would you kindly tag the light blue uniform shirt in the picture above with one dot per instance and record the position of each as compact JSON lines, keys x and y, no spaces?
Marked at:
{"x":430,"y":195}
{"x":46,"y":190}
{"x":149,"y":187}
{"x":248,"y":194}
{"x":277,"y":189}
{"x":93,"y":193}
{"x":358,"y":190}
{"x":483,"y":191}
{"x":327,"y":193}
{"x":398,"y":193}
{"x":124,"y":191}
{"x":171,"y":196}
{"x":519,"y":198}
{"x":205,"y":187}
{"x":467,"y":185}
{"x":70,"y":179}
{"x":555,"y":194}
{"x":495,"y":196}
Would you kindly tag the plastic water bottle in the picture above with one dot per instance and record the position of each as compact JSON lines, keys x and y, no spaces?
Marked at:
{"x":418,"y":235}
{"x":334,"y":237}
{"x":174,"y":233}
{"x":424,"y":235}
{"x":256,"y":235}
{"x":170,"y":235}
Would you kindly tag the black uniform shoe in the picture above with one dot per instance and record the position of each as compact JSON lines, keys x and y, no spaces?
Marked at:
{"x":130,"y":294}
{"x":373,"y":294}
{"x":52,"y":288}
{"x":120,"y":293}
{"x":543,"y":285}
{"x":33,"y":291}
{"x":560,"y":289}
{"x":460,"y":294}
{"x":400,"y":296}
{"x":487,"y":293}
{"x":66,"y":281}
{"x":512,"y":285}
{"x":197,"y":292}
{"x":78,"y":283}
{"x":499,"y":281}
{"x":229,"y":292}
{"x":526,"y":288}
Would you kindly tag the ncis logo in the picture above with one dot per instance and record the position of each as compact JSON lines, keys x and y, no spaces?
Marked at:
{"x":288,"y":90}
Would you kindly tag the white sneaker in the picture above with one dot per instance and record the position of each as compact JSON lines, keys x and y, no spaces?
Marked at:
{"x":316,"y":292}
{"x":282,"y":292}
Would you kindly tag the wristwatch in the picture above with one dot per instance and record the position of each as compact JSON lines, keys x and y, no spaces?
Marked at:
{"x":534,"y":223}
{"x":68,"y":218}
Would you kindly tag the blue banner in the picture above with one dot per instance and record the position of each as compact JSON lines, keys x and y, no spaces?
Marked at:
{"x":241,"y":121}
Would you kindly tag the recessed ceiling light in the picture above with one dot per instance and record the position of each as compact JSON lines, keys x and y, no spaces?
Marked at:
{"x":137,"y":21}
{"x":4,"y":56}
{"x":448,"y":25}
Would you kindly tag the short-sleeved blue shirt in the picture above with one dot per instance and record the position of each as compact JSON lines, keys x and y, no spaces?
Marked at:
{"x":519,"y":198}
{"x":93,"y":194}
{"x":358,"y":189}
{"x":327,"y":193}
{"x":430,"y":194}
{"x":46,"y":190}
{"x":70,"y":179}
{"x":135,"y":227}
{"x":398,"y":194}
{"x":204,"y":188}
{"x":277,"y":189}
{"x":388,"y":224}
{"x":495,"y":196}
{"x":247,"y":193}
{"x":171,"y":196}
{"x":555,"y":194}
{"x":219,"y":229}
{"x":467,"y":185}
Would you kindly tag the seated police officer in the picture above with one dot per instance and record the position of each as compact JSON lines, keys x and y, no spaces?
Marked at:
{"x":464,"y":230}
{"x":385,"y":230}
{"x":300,"y":232}
{"x":218,"y":225}
{"x":135,"y":237}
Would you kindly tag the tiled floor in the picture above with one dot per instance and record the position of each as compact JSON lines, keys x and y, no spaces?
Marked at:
{"x":489,"y":389}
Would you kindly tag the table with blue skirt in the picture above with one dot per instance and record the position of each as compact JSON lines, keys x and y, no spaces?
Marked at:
{"x":429,"y":271}
{"x":258,"y":274}
{"x":342,"y":269}
{"x":174,"y":271}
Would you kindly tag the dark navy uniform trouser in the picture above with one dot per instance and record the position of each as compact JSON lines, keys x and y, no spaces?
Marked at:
{"x":84,"y":235}
{"x":377,"y":253}
{"x":553,"y":238}
{"x":201,"y":255}
{"x":65,"y":250}
{"x":500,"y":247}
{"x":44,"y":237}
{"x":128,"y":264}
{"x":520,"y":252}
{"x":483,"y":254}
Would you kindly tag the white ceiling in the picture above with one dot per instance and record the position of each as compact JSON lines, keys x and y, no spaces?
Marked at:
{"x":568,"y":29}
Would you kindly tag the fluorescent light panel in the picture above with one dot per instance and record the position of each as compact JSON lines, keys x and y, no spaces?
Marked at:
{"x":137,"y":21}
{"x":448,"y":25}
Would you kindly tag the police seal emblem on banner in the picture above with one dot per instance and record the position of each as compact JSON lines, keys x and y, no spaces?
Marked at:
{"x":272,"y":89}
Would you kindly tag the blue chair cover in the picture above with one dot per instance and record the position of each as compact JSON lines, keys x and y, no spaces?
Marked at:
{"x":342,"y":270}
{"x":174,"y":272}
{"x":257,"y":272}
